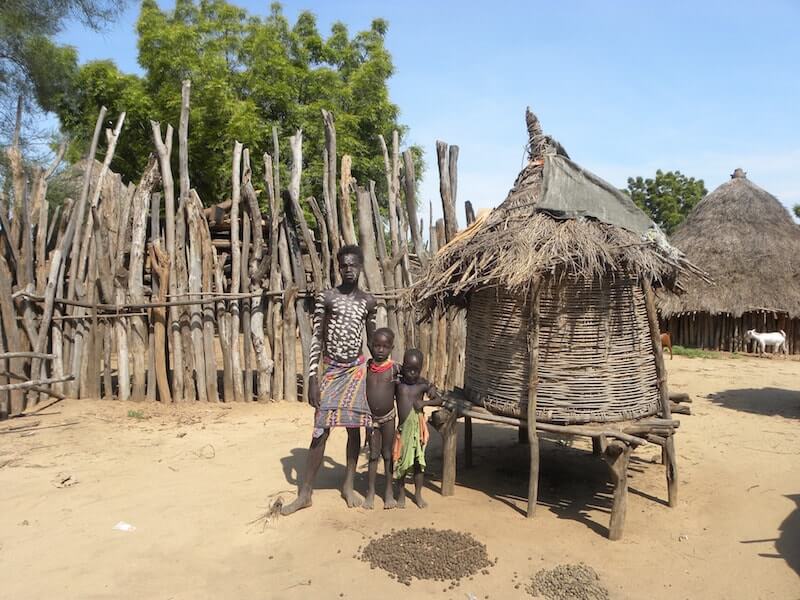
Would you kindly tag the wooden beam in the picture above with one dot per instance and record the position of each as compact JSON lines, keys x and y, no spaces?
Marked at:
{"x":533,"y":384}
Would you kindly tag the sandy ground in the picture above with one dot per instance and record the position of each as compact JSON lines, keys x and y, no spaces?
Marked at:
{"x":195,"y":480}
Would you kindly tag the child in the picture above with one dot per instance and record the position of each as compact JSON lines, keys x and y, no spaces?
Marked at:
{"x":412,"y":435}
{"x":382,"y":374}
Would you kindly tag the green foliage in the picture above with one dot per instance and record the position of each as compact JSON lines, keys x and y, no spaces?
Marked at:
{"x":136,"y":414}
{"x":697,"y":353}
{"x":796,"y":210}
{"x":667,"y":198}
{"x":248,"y":74}
{"x":31,"y":63}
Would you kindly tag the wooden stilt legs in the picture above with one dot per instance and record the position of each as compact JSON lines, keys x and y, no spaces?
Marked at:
{"x":617,"y":456}
{"x":522,"y":434}
{"x":449,"y":445}
{"x":670,"y":461}
{"x":468,"y":441}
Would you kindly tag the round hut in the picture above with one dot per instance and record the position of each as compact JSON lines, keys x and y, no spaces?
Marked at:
{"x":745,"y":239}
{"x":561,"y":327}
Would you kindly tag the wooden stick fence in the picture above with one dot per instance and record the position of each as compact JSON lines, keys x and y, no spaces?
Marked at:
{"x":139,"y":292}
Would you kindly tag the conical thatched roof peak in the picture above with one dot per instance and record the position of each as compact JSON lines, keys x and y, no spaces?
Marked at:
{"x":745,"y":239}
{"x":557,"y":219}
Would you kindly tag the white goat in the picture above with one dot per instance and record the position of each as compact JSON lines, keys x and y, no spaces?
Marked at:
{"x":773,"y":338}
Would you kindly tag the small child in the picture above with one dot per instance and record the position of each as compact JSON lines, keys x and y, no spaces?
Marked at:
{"x":412,"y":434}
{"x":382,"y":374}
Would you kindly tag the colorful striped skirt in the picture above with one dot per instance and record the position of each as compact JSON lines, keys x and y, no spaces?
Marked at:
{"x":343,"y":396}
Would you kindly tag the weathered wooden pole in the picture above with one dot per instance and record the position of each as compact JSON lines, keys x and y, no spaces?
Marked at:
{"x":669,"y":456}
{"x":159,"y":262}
{"x":236,"y":273}
{"x":138,"y":330}
{"x":533,"y":384}
{"x":164,"y":150}
{"x":329,"y":159}
{"x":409,"y":186}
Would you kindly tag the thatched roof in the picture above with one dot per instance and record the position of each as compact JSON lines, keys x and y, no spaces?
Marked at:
{"x":750,"y":246}
{"x":558,"y":219}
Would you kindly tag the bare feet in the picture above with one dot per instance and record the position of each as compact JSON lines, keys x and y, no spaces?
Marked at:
{"x":369,"y":502}
{"x":419,"y":501}
{"x":389,"y":502}
{"x":302,"y":501}
{"x":352,"y":500}
{"x":401,"y":501}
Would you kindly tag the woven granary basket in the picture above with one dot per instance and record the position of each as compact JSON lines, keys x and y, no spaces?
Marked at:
{"x":596,"y":361}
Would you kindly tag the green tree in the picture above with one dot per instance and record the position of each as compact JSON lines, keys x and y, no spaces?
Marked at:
{"x":796,"y":210}
{"x":667,"y":198}
{"x":248,"y":74}
{"x":31,"y":63}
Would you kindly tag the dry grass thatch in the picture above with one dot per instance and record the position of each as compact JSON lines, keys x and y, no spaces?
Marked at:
{"x":750,"y":246}
{"x":517,"y":243}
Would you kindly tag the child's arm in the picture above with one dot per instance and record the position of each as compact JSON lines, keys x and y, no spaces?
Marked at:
{"x":424,"y":434}
{"x":397,"y":447}
{"x":434,"y":397}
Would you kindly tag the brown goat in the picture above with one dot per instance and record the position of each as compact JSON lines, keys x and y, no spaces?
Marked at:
{"x":666,"y":342}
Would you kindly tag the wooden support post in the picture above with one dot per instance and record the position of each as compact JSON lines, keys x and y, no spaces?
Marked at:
{"x":222,"y":324}
{"x":138,"y":331}
{"x":409,"y":187}
{"x":448,"y":158}
{"x":388,"y":271}
{"x":247,"y":337}
{"x":468,"y":441}
{"x":522,"y":434}
{"x":345,"y":210}
{"x":372,"y":270}
{"x":189,"y":393}
{"x":392,"y":169}
{"x":470,"y":212}
{"x":669,"y":457}
{"x":329,"y":159}
{"x":617,"y":456}
{"x":164,"y":149}
{"x":274,"y":316}
{"x":449,"y":432}
{"x":159,"y":264}
{"x":236,"y":273}
{"x":533,"y":383}
{"x":322,"y":226}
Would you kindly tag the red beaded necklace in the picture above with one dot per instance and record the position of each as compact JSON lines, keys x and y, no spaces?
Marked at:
{"x":380,"y":367}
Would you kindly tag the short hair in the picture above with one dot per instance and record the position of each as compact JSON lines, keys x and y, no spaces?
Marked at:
{"x":352,"y":250}
{"x":384,"y":331}
{"x":414,"y":353}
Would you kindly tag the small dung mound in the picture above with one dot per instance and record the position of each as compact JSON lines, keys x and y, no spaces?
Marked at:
{"x":568,"y":582}
{"x":427,"y":553}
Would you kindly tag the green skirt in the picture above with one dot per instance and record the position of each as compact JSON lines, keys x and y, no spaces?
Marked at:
{"x":411,"y":449}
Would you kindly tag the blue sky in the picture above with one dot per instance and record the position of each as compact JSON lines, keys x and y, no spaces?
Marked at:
{"x":627,"y":87}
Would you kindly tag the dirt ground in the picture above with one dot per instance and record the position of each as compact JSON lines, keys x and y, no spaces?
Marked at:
{"x":194,"y":481}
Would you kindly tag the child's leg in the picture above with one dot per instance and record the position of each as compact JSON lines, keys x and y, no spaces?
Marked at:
{"x":353,"y":446}
{"x":401,"y":492}
{"x":374,"y":442}
{"x":419,"y":482}
{"x":387,"y":433}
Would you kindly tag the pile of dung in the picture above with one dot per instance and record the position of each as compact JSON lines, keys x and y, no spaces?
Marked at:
{"x":568,"y":582}
{"x":427,"y":553}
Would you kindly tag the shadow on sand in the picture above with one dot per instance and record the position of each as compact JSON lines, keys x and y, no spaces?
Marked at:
{"x":573,"y":483}
{"x":763,"y":401}
{"x":788,"y":543}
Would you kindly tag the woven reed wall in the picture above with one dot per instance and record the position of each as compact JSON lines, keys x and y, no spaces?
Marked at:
{"x":597,"y":362}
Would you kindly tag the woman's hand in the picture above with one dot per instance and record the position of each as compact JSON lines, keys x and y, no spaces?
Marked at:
{"x":313,"y":391}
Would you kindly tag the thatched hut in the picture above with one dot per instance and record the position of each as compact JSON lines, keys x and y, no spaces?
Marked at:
{"x":561,"y":324}
{"x":747,"y":241}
